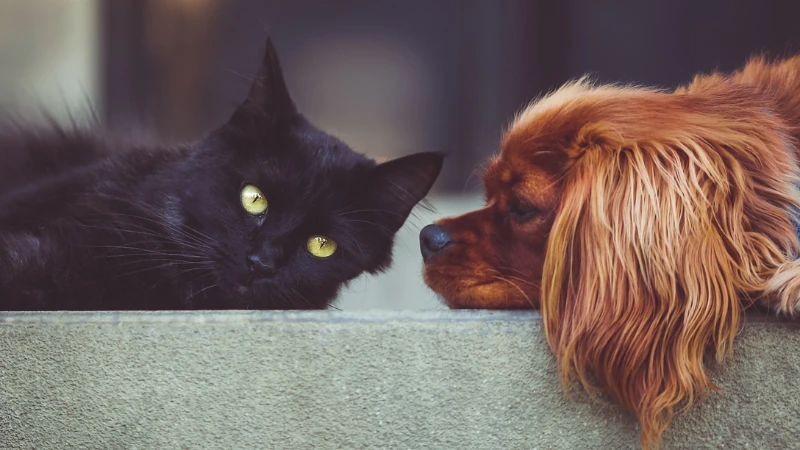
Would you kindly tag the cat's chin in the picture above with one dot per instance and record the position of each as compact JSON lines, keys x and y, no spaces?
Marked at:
{"x":240,"y":289}
{"x":237,"y":289}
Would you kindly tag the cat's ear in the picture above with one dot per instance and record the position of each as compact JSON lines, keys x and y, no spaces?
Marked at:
{"x":396,"y":186}
{"x":268,"y":104}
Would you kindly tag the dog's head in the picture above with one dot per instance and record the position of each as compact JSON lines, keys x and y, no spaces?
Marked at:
{"x":636,"y":220}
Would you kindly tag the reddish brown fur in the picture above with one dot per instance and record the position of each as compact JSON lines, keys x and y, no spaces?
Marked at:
{"x":663,"y":217}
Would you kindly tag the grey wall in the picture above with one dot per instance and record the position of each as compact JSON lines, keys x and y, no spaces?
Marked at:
{"x":342,"y":380}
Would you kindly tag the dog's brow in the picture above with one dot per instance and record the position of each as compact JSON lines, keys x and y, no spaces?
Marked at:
{"x":537,"y":188}
{"x":522,"y":195}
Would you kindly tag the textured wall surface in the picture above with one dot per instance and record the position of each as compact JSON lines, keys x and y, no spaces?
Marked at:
{"x":339,"y":380}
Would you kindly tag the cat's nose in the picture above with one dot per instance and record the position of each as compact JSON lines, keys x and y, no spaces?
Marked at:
{"x":433,"y":239}
{"x":261,"y":266}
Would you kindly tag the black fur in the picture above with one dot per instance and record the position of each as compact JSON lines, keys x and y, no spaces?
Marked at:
{"x":91,"y":224}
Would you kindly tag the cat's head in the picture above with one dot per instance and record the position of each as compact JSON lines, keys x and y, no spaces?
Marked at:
{"x":288,"y":213}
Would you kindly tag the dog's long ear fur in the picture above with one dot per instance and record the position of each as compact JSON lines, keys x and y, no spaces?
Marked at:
{"x":654,"y":247}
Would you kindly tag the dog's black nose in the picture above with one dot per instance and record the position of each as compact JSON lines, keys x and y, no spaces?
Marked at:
{"x":432,"y":239}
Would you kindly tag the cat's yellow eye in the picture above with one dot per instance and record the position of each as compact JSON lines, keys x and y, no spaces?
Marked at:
{"x":321,"y":246}
{"x":253,"y":200}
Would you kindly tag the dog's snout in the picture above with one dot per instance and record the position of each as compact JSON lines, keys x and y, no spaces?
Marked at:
{"x":432,"y":239}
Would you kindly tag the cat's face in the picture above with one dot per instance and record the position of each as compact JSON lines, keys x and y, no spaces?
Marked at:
{"x":287,"y":213}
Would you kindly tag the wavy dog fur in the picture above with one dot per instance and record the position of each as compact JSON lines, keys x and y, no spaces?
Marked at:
{"x":662,"y":217}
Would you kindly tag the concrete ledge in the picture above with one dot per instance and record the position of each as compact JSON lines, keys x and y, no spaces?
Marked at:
{"x":339,"y":380}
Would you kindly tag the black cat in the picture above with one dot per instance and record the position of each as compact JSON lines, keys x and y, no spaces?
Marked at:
{"x":265,"y":212}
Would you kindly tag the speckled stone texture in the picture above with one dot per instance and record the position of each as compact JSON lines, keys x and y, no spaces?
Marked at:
{"x":339,"y":380}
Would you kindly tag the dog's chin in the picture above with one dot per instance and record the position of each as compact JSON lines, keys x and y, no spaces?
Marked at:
{"x":459,"y":292}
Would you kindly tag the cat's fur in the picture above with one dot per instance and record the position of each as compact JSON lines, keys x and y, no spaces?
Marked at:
{"x":87,"y":223}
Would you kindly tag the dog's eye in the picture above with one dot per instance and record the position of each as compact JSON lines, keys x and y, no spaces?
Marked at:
{"x":522,"y":212}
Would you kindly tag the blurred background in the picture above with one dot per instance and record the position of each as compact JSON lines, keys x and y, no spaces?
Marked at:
{"x":389,"y":78}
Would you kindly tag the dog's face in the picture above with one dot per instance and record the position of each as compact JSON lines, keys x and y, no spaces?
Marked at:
{"x":492,"y":258}
{"x":635,"y":220}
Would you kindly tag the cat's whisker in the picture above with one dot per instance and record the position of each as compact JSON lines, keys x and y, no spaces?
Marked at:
{"x":139,"y":258}
{"x":201,"y":277}
{"x":134,"y":250}
{"x":384,"y":227}
{"x":177,"y":263}
{"x":186,"y":228}
{"x":164,"y":238}
{"x":382,"y":211}
{"x":184,"y":232}
{"x":346,"y":208}
{"x":403,"y":191}
{"x":303,"y":297}
{"x":194,"y":294}
{"x":149,"y":256}
{"x":136,"y":272}
{"x":150,"y":233}
{"x":143,"y":251}
{"x":358,"y":246}
{"x":194,"y":269}
{"x":163,"y":223}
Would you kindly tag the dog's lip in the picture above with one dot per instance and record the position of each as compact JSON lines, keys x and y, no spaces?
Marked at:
{"x":481,"y":283}
{"x":472,"y":297}
{"x":464,"y":297}
{"x":448,"y":275}
{"x":457,"y":284}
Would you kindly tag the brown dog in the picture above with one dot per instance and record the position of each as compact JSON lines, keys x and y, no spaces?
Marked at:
{"x":642,"y":223}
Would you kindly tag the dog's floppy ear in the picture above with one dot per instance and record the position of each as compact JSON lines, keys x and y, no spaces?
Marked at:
{"x":638,"y":279}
